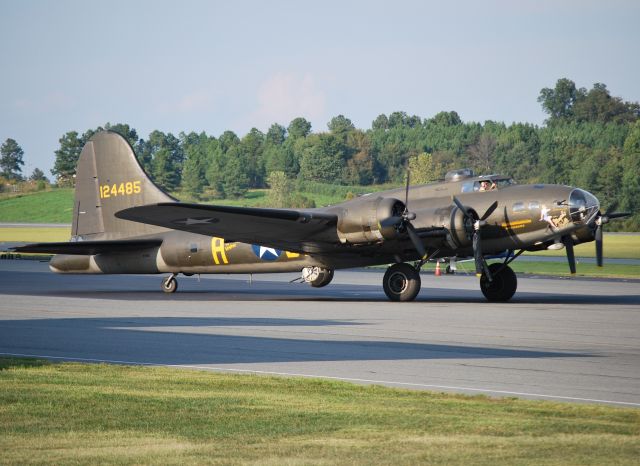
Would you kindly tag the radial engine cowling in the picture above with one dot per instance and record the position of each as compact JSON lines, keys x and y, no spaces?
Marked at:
{"x":459,"y":227}
{"x":370,"y":220}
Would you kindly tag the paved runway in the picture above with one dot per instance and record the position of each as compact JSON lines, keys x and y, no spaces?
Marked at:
{"x":564,"y":339}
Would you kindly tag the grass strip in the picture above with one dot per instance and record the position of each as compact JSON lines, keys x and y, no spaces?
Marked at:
{"x":35,"y":234}
{"x":52,"y":413}
{"x":55,"y":206}
{"x":615,"y":246}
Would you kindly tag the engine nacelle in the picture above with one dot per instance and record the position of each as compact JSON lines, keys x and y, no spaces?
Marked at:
{"x":460,"y":228}
{"x":369,"y":220}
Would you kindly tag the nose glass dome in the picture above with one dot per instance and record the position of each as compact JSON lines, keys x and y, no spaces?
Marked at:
{"x":583,"y":206}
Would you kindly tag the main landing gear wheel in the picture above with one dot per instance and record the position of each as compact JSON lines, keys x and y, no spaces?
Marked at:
{"x":401,"y":282}
{"x":503,"y":285}
{"x":317,"y":277}
{"x":169,"y":284}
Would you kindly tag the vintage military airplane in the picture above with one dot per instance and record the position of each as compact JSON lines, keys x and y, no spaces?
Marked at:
{"x":123,"y":223}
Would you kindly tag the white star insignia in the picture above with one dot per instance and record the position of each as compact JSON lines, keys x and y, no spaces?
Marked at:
{"x":264,"y":249}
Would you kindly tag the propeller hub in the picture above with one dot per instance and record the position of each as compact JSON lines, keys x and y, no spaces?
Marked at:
{"x":479,"y":224}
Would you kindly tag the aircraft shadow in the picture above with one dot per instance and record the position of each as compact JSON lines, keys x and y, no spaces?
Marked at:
{"x":193,"y":341}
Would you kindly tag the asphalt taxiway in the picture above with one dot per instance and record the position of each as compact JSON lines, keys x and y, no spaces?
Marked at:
{"x":563,"y":339}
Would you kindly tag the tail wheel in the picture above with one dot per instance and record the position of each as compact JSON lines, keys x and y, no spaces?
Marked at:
{"x":502,"y":286}
{"x":169,"y":284}
{"x":401,"y":282}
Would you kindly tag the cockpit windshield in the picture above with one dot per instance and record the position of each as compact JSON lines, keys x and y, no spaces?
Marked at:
{"x":489,"y":184}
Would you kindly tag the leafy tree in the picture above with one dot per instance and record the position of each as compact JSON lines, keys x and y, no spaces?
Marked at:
{"x":380,"y":123}
{"x":558,"y":102}
{"x":11,"y":160}
{"x":227,"y":140}
{"x":235,"y":181}
{"x":163,"y":153}
{"x":340,"y":126}
{"x":195,"y":146}
{"x":67,"y":157}
{"x":422,"y":169}
{"x":299,"y":128}
{"x":252,"y":148}
{"x":446,"y":119}
{"x":38,"y":175}
{"x":322,"y":159}
{"x":481,"y":153}
{"x":598,"y":105}
{"x":276,"y":135}
{"x":630,"y":195}
{"x":401,"y":119}
{"x":280,"y":190}
{"x":360,"y":167}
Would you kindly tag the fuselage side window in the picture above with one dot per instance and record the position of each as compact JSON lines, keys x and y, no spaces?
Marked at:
{"x":518,"y":207}
{"x":534,"y":205}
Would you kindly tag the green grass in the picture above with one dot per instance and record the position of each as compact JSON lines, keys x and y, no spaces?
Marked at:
{"x":554,"y":269}
{"x":614,"y":246}
{"x":87,"y":414}
{"x":583,"y":270}
{"x":35,"y":234}
{"x":55,"y":206}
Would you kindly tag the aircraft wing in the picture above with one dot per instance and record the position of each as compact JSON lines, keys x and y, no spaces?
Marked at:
{"x":88,"y":247}
{"x":293,"y":230}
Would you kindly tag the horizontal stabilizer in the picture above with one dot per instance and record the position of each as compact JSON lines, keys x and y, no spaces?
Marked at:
{"x":89,"y":247}
{"x":294,"y":230}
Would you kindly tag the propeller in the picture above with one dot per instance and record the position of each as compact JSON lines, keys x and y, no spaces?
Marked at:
{"x":476,"y":243}
{"x":601,"y":220}
{"x":405,"y":223}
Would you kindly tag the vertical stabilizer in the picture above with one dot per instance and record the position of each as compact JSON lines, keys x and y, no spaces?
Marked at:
{"x":108,"y":179}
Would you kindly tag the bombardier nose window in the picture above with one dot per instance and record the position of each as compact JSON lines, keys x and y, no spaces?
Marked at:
{"x":583,"y":206}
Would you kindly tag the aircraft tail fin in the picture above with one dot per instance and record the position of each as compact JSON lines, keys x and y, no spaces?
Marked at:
{"x":109,"y":178}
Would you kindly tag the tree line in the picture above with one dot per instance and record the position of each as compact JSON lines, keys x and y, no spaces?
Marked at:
{"x":590,"y":139}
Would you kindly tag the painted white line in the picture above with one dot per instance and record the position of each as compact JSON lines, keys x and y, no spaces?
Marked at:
{"x":330,"y":377}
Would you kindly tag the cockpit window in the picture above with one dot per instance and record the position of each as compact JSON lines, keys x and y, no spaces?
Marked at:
{"x":488,"y":184}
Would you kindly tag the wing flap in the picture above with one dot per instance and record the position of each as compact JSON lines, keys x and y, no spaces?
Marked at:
{"x":294,"y":230}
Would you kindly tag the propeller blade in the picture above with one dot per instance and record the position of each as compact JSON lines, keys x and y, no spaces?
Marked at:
{"x":489,"y":211}
{"x":462,"y":208}
{"x":568,"y":243}
{"x":415,"y":239}
{"x":618,"y":214}
{"x":612,"y":207}
{"x":406,"y":192}
{"x":598,"y":235}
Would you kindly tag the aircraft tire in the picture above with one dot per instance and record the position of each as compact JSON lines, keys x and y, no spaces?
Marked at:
{"x":401,"y":282}
{"x":324,"y":278}
{"x":502,"y":287}
{"x":169,"y":285}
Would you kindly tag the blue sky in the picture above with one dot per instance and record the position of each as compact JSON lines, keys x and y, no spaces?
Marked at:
{"x":212,"y":66}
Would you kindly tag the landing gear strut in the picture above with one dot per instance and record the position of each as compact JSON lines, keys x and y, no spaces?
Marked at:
{"x":401,"y":282}
{"x":170,"y":284}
